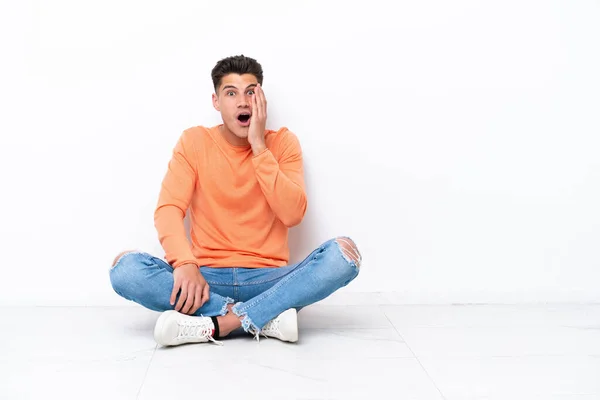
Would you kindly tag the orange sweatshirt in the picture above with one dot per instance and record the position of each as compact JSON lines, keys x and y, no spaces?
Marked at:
{"x":241,"y":205}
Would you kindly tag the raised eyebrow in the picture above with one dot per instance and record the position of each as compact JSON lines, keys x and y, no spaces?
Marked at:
{"x":251,"y":86}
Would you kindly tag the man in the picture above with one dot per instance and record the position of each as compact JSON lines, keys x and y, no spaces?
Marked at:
{"x":244,"y":187}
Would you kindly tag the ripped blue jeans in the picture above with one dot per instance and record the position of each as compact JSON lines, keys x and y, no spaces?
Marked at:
{"x":258,"y":294}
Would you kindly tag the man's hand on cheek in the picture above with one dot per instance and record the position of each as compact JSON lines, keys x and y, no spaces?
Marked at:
{"x":258,"y":122}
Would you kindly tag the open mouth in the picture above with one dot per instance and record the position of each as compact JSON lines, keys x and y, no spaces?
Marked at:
{"x":244,"y":118}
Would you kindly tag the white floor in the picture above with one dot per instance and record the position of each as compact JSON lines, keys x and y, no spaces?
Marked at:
{"x":345,"y":352}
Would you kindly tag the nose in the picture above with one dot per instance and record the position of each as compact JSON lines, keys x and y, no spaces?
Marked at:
{"x":244,"y":102}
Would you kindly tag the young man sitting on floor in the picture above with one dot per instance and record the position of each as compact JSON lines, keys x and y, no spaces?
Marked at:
{"x":244,"y":188}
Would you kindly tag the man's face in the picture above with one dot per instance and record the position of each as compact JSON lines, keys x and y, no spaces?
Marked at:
{"x":234,"y":101}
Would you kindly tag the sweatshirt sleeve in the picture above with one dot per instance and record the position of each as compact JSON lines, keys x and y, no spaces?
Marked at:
{"x":174,"y":199}
{"x":282,"y":181}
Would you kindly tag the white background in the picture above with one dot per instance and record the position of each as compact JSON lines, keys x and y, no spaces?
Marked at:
{"x":456,"y":142}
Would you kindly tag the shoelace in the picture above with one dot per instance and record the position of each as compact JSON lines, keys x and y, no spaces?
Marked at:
{"x":271,"y":328}
{"x":192,"y":330}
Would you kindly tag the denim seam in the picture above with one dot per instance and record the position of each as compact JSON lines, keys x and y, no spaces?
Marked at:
{"x":316,"y":253}
{"x":219,"y":283}
{"x":250,"y":283}
{"x":266,"y":280}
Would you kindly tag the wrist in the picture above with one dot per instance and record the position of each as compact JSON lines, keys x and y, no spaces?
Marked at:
{"x":185,"y":266}
{"x":258,"y":148}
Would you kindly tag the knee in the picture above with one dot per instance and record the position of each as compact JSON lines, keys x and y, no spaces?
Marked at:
{"x":124,"y":271}
{"x":118,"y":257}
{"x":349,"y":250}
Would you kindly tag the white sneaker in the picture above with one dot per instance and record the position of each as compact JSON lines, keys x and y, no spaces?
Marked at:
{"x":173,"y":328}
{"x":283,"y":327}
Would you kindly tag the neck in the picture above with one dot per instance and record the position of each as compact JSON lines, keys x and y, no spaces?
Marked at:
{"x":233,"y":139}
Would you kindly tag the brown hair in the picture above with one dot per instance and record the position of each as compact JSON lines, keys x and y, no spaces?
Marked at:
{"x":236,"y":65}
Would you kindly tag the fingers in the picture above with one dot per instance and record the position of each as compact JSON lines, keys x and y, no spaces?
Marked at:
{"x":258,"y":102}
{"x":192,"y":289}
{"x":254,"y":106}
{"x":261,"y":101}
{"x":182,"y":297}
{"x":190,"y":301}
{"x":205,"y":294}
{"x":197,"y":300}
{"x":176,"y":287}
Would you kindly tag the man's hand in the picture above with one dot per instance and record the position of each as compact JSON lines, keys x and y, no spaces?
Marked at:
{"x":258,"y":122}
{"x":194,"y":289}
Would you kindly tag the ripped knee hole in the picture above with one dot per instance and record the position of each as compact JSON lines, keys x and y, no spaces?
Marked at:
{"x":349,"y":250}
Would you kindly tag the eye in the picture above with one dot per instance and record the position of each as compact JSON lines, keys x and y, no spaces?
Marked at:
{"x":230,"y":93}
{"x":250,"y":92}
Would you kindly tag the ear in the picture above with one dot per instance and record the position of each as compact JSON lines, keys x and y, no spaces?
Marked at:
{"x":215,"y":101}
